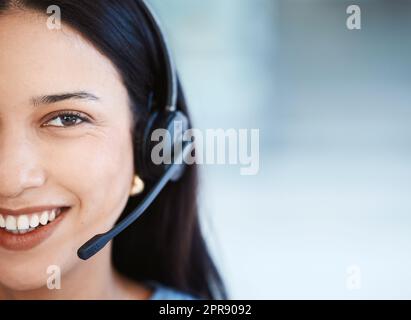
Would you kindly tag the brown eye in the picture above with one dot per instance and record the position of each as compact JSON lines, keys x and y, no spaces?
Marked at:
{"x":66,"y":120}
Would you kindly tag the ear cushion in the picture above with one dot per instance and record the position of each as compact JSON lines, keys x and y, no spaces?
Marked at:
{"x":175,"y":123}
{"x":140,"y":148}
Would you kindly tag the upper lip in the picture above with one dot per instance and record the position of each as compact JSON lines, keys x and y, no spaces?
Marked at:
{"x":28,"y":210}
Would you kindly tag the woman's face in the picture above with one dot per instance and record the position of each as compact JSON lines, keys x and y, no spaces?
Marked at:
{"x":47,"y":159}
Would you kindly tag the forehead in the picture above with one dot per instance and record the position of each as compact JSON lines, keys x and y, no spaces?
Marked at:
{"x":35,"y":60}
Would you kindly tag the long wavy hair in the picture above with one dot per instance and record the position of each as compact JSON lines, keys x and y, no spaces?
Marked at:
{"x":166,"y":244}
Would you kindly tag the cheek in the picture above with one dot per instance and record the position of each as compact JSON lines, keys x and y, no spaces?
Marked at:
{"x":96,"y":169}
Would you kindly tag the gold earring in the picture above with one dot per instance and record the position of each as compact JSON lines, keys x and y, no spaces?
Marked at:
{"x":137,"y":187}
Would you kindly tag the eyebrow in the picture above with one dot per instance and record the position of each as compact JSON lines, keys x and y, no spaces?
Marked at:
{"x":49,"y":99}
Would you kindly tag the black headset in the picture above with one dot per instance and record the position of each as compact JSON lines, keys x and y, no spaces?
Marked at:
{"x":163,"y":117}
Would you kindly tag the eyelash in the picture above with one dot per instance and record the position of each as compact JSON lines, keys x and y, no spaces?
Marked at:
{"x":62,"y":114}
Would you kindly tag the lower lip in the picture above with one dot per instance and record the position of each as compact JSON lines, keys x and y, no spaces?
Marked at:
{"x":29,"y":240}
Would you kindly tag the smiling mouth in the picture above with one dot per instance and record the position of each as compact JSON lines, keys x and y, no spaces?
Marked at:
{"x":26,"y":223}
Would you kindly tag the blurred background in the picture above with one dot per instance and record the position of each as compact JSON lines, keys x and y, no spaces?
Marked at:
{"x":328,"y":215}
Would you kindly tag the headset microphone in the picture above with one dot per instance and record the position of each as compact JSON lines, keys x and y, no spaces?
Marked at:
{"x":165,"y":117}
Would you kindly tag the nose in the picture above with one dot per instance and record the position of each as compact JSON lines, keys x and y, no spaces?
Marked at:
{"x":19,"y":165}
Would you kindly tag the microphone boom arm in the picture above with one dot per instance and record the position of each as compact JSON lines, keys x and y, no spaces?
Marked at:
{"x":98,"y":242}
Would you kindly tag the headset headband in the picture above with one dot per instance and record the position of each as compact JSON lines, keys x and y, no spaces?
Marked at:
{"x":171,"y":103}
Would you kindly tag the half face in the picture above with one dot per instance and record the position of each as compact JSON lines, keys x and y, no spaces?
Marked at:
{"x":66,"y":160}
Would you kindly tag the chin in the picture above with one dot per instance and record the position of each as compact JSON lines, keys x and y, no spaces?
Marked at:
{"x":31,"y":271}
{"x":24,"y":278}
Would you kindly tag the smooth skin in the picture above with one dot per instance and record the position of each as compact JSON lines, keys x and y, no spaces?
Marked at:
{"x":85,"y":164}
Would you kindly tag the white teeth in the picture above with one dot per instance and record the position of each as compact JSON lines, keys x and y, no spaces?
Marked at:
{"x":44,"y":218}
{"x":23,"y":222}
{"x":52,"y":215}
{"x":11,"y":223}
{"x":26,"y":223}
{"x":34,"y":220}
